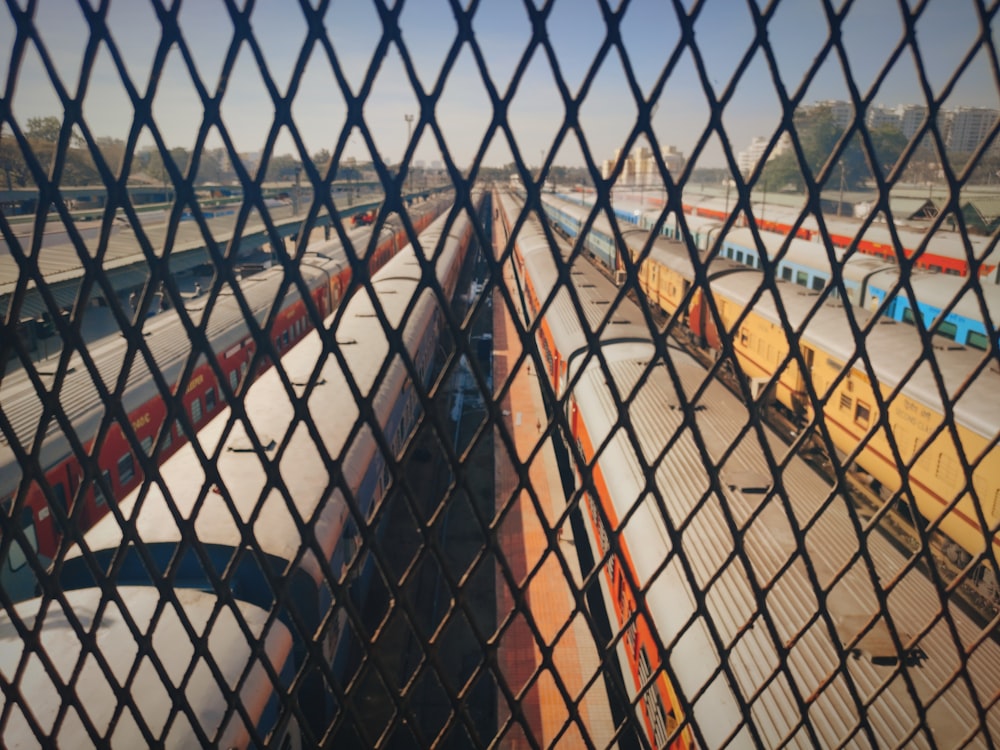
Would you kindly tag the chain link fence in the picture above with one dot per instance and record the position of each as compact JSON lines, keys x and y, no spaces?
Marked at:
{"x":347,"y":452}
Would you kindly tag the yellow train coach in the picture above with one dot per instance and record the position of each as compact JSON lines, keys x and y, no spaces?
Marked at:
{"x":942,"y":416}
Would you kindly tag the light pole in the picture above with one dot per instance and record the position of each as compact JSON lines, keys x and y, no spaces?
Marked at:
{"x":840,"y":200}
{"x":409,"y":133}
{"x":763,"y":201}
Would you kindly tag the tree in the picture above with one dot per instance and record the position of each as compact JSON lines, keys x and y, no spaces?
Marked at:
{"x":154,"y":167}
{"x":79,"y":168}
{"x":12,"y":163}
{"x":43,"y":129}
{"x":321,"y":159}
{"x":889,"y":143}
{"x":112,"y":150}
{"x":212,"y":167}
{"x":281,"y":168}
{"x":818,"y":135}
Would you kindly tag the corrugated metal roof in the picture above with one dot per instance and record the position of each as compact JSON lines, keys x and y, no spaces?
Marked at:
{"x":911,"y":208}
{"x":59,"y":260}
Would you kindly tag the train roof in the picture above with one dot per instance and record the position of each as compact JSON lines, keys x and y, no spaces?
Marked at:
{"x":793,"y":249}
{"x":943,"y":242}
{"x":170,"y":346}
{"x":939,"y":290}
{"x":314,"y":495}
{"x":891,"y":348}
{"x":594,"y":292}
{"x":738,"y":537}
{"x":148,"y":693}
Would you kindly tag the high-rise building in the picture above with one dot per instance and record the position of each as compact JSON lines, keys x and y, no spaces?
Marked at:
{"x":640,"y":168}
{"x":879,"y":117}
{"x":842,"y":112}
{"x":911,"y":117}
{"x":747,"y":159}
{"x":967,"y":127}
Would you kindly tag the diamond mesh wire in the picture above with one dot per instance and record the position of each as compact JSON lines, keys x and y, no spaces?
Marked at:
{"x":686,"y":548}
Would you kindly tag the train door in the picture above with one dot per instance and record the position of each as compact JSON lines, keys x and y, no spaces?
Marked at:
{"x":16,"y":575}
{"x":59,"y":500}
{"x":800,"y":398}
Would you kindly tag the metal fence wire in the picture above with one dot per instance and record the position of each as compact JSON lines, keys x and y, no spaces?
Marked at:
{"x":565,"y":471}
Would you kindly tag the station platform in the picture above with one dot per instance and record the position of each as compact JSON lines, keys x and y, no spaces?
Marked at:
{"x":546,"y":650}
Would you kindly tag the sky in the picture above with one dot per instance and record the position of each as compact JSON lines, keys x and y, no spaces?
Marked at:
{"x":652,"y":50}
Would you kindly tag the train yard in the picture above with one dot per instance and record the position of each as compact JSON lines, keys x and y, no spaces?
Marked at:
{"x":588,"y":537}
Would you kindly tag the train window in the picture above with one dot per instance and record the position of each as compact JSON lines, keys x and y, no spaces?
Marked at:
{"x":126,"y":468}
{"x":59,"y":495}
{"x":147,"y":445}
{"x":817,"y":283}
{"x":210,"y":400}
{"x":862,"y":413}
{"x":744,"y":336}
{"x":16,"y":556}
{"x":786,"y":273}
{"x":168,"y":439}
{"x":947,"y":468}
{"x":977,"y":340}
{"x":654,"y":706}
{"x":907,"y":315}
{"x":729,"y":252}
{"x":739,"y":256}
{"x":948,"y":330}
{"x":284,"y":338}
{"x":196,"y":411}
{"x":234,"y":379}
{"x":802,"y":278}
{"x":99,"y":497}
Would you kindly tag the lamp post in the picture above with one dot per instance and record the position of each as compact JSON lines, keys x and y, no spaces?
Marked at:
{"x":409,"y":133}
{"x":840,"y":200}
{"x":763,"y":201}
{"x":295,"y":191}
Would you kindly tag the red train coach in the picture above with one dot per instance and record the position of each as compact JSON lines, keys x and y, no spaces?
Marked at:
{"x":33,"y":524}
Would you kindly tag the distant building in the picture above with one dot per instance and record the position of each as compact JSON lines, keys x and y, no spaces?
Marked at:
{"x":967,"y":127}
{"x":747,"y":159}
{"x":963,"y":129}
{"x":880,"y":117}
{"x":911,"y":117}
{"x":842,"y":112}
{"x":640,"y":168}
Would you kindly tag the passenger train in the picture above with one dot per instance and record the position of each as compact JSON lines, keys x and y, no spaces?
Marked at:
{"x":866,"y":279}
{"x":912,"y":437}
{"x":326,"y":271}
{"x":249,"y":561}
{"x":744,"y":613}
{"x":947,"y":253}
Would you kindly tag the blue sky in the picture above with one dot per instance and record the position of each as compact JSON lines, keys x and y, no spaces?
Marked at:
{"x":650,"y":32}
